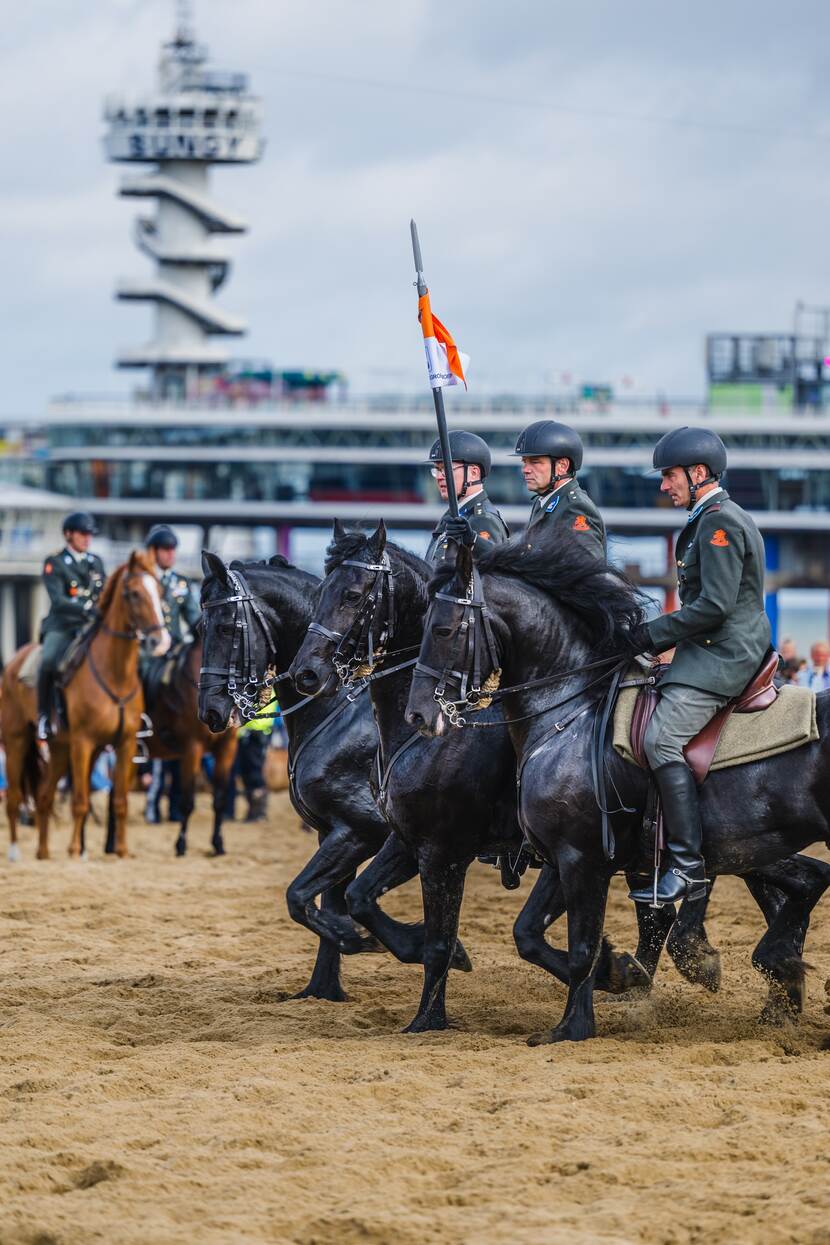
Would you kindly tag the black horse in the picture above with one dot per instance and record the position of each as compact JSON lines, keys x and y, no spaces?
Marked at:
{"x":331,"y":747}
{"x":549,"y":609}
{"x":453,"y":801}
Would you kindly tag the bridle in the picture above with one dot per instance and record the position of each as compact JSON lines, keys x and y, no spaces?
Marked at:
{"x":359,"y":648}
{"x":241,"y":676}
{"x":463,"y":667}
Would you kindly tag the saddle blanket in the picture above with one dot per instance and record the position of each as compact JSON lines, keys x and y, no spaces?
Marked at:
{"x":30,"y":667}
{"x":789,"y":722}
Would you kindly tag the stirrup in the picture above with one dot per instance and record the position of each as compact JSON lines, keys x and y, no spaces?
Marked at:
{"x":43,"y":731}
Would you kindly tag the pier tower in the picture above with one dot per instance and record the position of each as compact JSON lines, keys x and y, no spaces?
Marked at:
{"x":196,"y":117}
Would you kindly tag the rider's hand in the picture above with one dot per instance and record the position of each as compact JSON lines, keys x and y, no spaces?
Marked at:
{"x":459,"y":530}
{"x":639,"y":640}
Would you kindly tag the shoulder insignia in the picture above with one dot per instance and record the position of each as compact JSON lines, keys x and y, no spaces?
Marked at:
{"x":47,"y":568}
{"x":551,"y":506}
{"x":581,"y":524}
{"x":720,"y":539}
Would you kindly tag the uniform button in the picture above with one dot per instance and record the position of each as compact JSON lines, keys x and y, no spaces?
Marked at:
{"x":708,"y":641}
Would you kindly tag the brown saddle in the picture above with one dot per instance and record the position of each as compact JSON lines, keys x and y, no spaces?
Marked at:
{"x":758,"y":694}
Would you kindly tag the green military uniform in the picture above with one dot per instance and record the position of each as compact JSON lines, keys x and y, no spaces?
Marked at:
{"x":721,"y":632}
{"x":178,"y":604}
{"x":569,"y":505}
{"x":74,"y":584}
{"x":484,"y":519}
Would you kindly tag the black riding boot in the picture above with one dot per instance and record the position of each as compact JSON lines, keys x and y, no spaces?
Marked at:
{"x":45,"y":704}
{"x":685,"y":873}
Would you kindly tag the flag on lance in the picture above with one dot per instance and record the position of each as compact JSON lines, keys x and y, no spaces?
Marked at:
{"x":446,"y":364}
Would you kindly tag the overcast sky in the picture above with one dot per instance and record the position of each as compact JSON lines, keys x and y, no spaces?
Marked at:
{"x":597,"y":185}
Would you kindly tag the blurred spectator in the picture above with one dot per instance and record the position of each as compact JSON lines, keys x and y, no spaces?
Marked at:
{"x":788,"y":662}
{"x":816,"y":674}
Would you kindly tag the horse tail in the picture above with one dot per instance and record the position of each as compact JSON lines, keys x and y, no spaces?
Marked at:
{"x":33,"y":768}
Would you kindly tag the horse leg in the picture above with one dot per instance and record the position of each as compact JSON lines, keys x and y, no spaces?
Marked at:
{"x":109,"y":844}
{"x":15,"y":752}
{"x":188,"y":769}
{"x":693,"y":955}
{"x":335,"y":861}
{"x":222,"y":769}
{"x":617,"y":972}
{"x":81,"y":750}
{"x":586,"y":894}
{"x":58,"y":759}
{"x":392,"y":866}
{"x":442,"y":887}
{"x":778,"y":956}
{"x":325,"y":979}
{"x":124,"y":753}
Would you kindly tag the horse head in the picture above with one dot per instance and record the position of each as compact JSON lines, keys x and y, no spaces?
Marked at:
{"x":130,"y":605}
{"x":353,"y":617}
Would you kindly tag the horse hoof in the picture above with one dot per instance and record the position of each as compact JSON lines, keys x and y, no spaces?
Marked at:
{"x":425,"y":1024}
{"x":336,"y":994}
{"x":777,"y":1015}
{"x":560,"y":1034}
{"x":460,"y":960}
{"x":43,"y":853}
{"x":628,"y":974}
{"x":699,"y":964}
{"x":14,"y":852}
{"x":181,"y":847}
{"x":84,"y":855}
{"x":218,"y":849}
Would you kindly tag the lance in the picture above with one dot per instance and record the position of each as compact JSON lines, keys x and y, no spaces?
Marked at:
{"x":437,"y":392}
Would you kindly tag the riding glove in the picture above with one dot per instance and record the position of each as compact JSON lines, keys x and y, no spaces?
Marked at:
{"x":460,"y":531}
{"x":640,"y":640}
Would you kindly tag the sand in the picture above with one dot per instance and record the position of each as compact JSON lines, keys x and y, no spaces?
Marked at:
{"x":158,"y":1084}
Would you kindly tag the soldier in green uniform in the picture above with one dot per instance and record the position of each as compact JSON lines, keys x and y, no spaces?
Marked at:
{"x":178,"y":602}
{"x":478,"y":519}
{"x":721,"y":634}
{"x":551,"y":455}
{"x":74,"y":579}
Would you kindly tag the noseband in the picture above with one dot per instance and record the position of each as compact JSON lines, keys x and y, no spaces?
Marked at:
{"x":356,"y":652}
{"x":464,"y":665}
{"x":241,"y":677}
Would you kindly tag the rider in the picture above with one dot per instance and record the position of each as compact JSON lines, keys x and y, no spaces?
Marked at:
{"x":721,"y":634}
{"x":177,"y":599}
{"x":551,"y":455}
{"x":74,"y":580}
{"x":178,"y":605}
{"x":478,"y":519}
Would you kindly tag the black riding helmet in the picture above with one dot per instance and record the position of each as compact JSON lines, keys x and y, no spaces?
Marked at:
{"x":466,"y":448}
{"x":161,"y":537}
{"x":80,"y":521}
{"x":685,"y":447}
{"x":547,"y":437}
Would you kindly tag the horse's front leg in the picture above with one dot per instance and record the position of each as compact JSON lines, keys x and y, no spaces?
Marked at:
{"x":585,"y":883}
{"x":188,"y":768}
{"x":58,"y":762}
{"x":80,"y":752}
{"x":124,"y":753}
{"x":442,"y":887}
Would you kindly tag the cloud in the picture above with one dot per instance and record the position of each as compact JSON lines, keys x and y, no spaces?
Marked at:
{"x":597,"y":186}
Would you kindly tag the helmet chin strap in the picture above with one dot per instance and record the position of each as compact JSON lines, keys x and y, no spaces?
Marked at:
{"x":465,"y":482}
{"x":693,"y":488}
{"x":556,"y":479}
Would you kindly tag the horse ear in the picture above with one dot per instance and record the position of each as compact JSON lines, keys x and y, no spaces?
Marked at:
{"x":338,"y":529}
{"x":464,"y":561}
{"x":377,"y":541}
{"x":212,"y":564}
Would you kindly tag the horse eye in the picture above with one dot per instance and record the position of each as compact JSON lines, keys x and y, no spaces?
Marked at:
{"x":442,"y":633}
{"x":352,"y":597}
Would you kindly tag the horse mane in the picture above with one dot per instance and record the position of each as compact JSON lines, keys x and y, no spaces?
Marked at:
{"x":602,"y":596}
{"x":138,"y":559}
{"x":354,"y":541}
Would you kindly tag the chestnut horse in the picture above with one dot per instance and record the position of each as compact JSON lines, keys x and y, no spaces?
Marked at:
{"x":178,"y":733}
{"x":104,"y":703}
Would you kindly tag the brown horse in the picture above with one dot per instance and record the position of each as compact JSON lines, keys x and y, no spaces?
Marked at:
{"x":178,"y":733}
{"x":104,"y":703}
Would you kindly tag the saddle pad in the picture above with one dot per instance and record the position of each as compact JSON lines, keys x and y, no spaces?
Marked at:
{"x":789,"y":722}
{"x":30,"y":667}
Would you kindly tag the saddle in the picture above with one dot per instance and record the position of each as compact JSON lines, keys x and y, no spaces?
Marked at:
{"x":758,"y":694}
{"x":75,"y":653}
